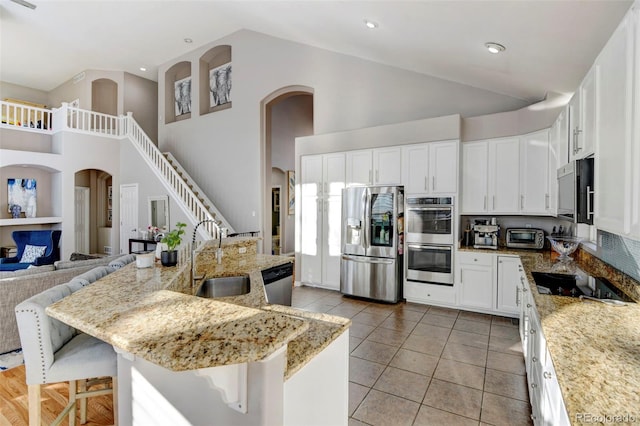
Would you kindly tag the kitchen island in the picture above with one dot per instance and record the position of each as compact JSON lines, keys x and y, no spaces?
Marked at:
{"x":190,"y":360}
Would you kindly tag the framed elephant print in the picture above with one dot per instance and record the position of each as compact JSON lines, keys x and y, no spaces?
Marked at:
{"x":220,"y":85}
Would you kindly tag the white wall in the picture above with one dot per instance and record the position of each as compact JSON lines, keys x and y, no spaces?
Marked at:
{"x":14,"y":91}
{"x":221,"y":150}
{"x":103,"y":155}
{"x":140,"y":96}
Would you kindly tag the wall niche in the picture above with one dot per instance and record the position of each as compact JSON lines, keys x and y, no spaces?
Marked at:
{"x":178,"y":86}
{"x":215,"y":79}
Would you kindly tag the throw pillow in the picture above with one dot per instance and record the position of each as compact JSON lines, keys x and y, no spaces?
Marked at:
{"x":31,"y":253}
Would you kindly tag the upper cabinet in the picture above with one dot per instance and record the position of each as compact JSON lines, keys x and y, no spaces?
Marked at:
{"x":582,"y":118}
{"x":615,"y":191}
{"x":559,"y":140}
{"x":430,"y":168}
{"x":502,"y":176}
{"x":374,"y":166}
{"x":535,"y":173}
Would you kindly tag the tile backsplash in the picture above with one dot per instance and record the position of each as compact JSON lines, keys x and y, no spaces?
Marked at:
{"x":619,"y":252}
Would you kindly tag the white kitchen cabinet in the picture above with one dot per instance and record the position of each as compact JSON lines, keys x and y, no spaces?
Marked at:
{"x":635,"y":140}
{"x":534,"y":173}
{"x":475,"y":281}
{"x":381,"y":166}
{"x":443,"y":167}
{"x":387,"y":166}
{"x":475,"y":177}
{"x":508,"y":176}
{"x":583,"y":121}
{"x":323,"y":178}
{"x":430,"y":168}
{"x":547,"y":404}
{"x":613,"y":163}
{"x":504,"y":176}
{"x":432,"y":294}
{"x":359,"y":167}
{"x":510,"y":272}
{"x":559,"y":141}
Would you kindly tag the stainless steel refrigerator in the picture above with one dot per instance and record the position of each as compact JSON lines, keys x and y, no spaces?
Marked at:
{"x":372,"y":242}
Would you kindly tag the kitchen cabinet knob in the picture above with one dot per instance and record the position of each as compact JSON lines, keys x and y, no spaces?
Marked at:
{"x":533,"y":385}
{"x":534,"y":359}
{"x":524,"y":290}
{"x":547,"y":375}
{"x":533,"y":417}
{"x":528,"y":304}
{"x":475,"y":260}
{"x":533,"y":331}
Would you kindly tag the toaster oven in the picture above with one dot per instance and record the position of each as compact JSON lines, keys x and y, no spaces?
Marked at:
{"x":529,"y":238}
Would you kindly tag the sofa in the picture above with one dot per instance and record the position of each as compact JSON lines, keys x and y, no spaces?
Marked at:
{"x":29,"y":244}
{"x":18,"y":286}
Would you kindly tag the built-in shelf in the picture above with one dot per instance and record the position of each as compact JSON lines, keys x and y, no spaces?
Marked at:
{"x":30,"y":221}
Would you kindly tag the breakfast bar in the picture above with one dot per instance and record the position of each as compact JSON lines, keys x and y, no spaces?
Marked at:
{"x":193,"y":360}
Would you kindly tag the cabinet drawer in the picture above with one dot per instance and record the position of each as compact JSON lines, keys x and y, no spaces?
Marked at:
{"x":474,"y":258}
{"x":424,"y":293}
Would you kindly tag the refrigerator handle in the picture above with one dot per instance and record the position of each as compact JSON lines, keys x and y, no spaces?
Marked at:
{"x":367,"y":259}
{"x":365,"y":241}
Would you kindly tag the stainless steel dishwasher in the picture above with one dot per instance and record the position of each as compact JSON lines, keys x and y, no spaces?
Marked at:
{"x":278,"y":283}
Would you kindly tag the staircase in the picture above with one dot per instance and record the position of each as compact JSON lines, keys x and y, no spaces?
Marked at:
{"x":191,"y":199}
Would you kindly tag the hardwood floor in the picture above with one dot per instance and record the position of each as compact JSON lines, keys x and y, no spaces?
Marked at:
{"x":14,"y":409}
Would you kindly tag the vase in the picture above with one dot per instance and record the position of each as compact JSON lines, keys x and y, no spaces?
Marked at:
{"x":169,"y":258}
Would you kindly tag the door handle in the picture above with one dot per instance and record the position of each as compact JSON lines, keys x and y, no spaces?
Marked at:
{"x":522,"y":202}
{"x":433,"y":183}
{"x":494,"y":203}
{"x":425,"y":183}
{"x":370,"y":176}
{"x":589,"y":194}
{"x":378,"y":176}
{"x":485,"y":203}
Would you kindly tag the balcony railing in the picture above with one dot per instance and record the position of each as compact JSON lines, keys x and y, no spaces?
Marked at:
{"x":25,"y":116}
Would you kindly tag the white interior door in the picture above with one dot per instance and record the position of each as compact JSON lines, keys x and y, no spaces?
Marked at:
{"x":128,"y":215}
{"x":81,"y":228}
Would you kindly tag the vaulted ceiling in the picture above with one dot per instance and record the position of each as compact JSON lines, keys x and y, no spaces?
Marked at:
{"x":550,"y":45}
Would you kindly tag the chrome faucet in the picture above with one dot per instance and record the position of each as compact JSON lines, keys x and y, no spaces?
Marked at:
{"x":194,"y":278}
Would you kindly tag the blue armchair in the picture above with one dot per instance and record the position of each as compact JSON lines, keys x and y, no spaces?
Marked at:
{"x":47,"y":238}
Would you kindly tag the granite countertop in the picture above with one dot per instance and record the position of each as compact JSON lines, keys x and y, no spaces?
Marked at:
{"x":595,"y":348}
{"x":153,"y":313}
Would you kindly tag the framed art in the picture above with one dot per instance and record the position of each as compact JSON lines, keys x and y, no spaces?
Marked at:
{"x":182,"y":91}
{"x":220,"y":85}
{"x":21,"y":197}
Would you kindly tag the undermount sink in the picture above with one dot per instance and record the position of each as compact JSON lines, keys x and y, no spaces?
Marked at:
{"x":224,"y":287}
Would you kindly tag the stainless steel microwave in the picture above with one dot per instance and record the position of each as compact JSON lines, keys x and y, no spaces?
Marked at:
{"x":575,"y":191}
{"x":530,"y":238}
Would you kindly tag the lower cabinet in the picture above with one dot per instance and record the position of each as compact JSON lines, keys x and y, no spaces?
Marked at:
{"x":510,"y":273}
{"x":547,"y":405}
{"x":476,"y":280}
{"x":489,"y":283}
{"x":419,"y":292}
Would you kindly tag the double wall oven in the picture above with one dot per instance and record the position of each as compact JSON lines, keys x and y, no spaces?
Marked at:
{"x":429,"y":239}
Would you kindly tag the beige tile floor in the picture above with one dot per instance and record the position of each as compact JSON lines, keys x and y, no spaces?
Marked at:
{"x":416,"y":364}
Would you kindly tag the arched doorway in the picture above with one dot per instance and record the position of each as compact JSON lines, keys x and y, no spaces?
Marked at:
{"x":287,"y":113}
{"x":93,"y":212}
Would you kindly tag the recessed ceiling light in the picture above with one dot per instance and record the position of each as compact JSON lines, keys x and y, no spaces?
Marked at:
{"x":494,"y":47}
{"x":143,"y":69}
{"x":370,"y":24}
{"x":188,"y":40}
